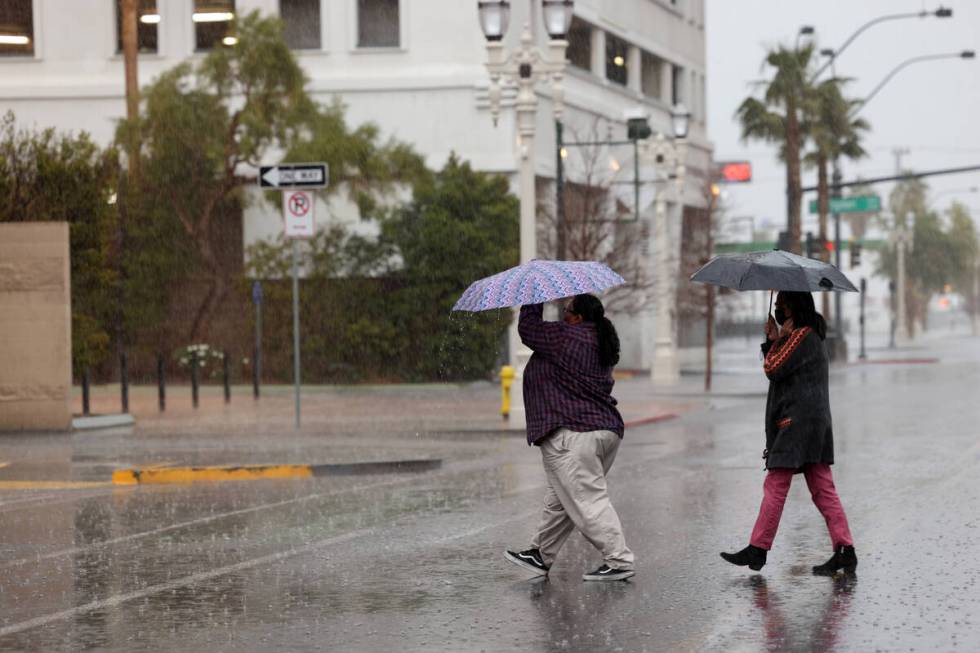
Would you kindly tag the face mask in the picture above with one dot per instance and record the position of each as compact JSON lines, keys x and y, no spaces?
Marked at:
{"x":779,"y":315}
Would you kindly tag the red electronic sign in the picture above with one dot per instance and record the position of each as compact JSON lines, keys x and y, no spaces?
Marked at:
{"x":735,"y":172}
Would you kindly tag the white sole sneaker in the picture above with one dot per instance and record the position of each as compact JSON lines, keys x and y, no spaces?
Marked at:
{"x":611,"y":574}
{"x":534,"y":569}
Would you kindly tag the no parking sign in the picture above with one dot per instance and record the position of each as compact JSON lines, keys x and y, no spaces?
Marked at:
{"x":297,"y":211}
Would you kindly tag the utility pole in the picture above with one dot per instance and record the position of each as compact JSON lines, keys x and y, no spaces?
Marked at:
{"x":898,"y":153}
{"x":129,"y":19}
{"x":903,"y":235}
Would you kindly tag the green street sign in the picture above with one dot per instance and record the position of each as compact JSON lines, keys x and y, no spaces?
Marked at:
{"x":857,"y":204}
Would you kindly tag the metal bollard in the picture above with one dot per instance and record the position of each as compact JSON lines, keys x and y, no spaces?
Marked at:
{"x":194,"y":393}
{"x":506,"y":380}
{"x":224,"y":361}
{"x":124,"y":382}
{"x":85,"y":392}
{"x":161,"y":384}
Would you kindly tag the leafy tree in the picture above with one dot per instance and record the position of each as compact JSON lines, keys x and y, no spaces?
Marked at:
{"x":965,"y":254}
{"x":47,"y":176}
{"x":379,"y":309}
{"x":363,"y":167}
{"x":778,"y":117}
{"x":461,"y":225}
{"x":935,"y":259}
{"x":598,"y":226}
{"x":835,"y":132}
{"x":200,"y":126}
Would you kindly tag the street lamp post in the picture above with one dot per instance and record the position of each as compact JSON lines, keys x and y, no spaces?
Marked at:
{"x":670,"y":155}
{"x":941,"y":12}
{"x":836,"y":175}
{"x":525,"y":65}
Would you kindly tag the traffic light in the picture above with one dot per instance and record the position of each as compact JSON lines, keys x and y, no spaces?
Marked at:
{"x":809,"y":244}
{"x":855,"y":254}
{"x":783,"y":241}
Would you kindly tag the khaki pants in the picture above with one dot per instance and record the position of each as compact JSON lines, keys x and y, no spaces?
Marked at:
{"x":576,"y":496}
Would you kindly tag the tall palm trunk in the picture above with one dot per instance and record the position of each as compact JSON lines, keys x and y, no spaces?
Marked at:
{"x":823,"y":201}
{"x":793,"y":182}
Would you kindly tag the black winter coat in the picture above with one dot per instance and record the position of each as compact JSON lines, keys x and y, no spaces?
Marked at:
{"x":798,"y":425}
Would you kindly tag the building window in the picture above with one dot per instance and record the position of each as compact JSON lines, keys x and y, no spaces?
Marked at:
{"x":650,"y":75}
{"x":301,"y":23}
{"x":378,"y":25}
{"x":212,"y":23}
{"x":146,"y":26}
{"x":580,"y":44}
{"x":16,"y":28}
{"x":616,"y":50}
{"x":676,"y":85}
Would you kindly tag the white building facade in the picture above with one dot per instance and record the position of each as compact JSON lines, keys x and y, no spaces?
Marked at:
{"x":413,"y":67}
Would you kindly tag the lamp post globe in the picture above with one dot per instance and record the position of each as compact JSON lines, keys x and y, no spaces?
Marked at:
{"x":557,"y":17}
{"x":494,"y":18}
{"x":680,"y":119}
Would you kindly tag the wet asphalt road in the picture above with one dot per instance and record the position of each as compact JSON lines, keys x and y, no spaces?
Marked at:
{"x":413,"y":562}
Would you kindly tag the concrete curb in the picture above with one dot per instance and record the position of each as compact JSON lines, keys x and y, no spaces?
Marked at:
{"x":176,"y":475}
{"x":894,"y":361}
{"x":101,"y":422}
{"x":651,"y":420}
{"x":521,"y":432}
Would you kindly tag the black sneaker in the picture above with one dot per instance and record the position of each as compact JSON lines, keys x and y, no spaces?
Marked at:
{"x":530,"y":560}
{"x":605,"y":572}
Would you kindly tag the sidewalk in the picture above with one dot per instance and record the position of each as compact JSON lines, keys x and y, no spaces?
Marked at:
{"x":351,"y":410}
{"x":343,"y":425}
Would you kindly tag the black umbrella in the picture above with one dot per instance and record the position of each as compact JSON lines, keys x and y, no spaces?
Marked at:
{"x":772,"y":270}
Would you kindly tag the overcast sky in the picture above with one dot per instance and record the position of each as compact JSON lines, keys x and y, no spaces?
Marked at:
{"x":931,"y":108}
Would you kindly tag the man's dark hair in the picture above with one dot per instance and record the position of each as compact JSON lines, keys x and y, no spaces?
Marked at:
{"x":591,"y":310}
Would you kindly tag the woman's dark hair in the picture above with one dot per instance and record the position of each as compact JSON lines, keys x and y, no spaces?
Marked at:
{"x":800,"y":305}
{"x":591,"y":310}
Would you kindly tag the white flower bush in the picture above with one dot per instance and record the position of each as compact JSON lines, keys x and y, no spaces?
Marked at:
{"x":209,"y":358}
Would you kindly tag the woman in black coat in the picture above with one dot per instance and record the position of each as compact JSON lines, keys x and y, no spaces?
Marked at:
{"x":799,"y":437}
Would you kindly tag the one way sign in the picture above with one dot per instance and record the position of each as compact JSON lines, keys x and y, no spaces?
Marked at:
{"x":293,"y":175}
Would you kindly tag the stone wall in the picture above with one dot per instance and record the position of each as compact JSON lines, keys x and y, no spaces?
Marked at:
{"x":35,"y":327}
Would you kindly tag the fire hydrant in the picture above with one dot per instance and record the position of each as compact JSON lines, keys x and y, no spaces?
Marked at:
{"x":506,"y":380}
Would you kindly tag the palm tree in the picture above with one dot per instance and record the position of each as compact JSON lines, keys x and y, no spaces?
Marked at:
{"x":835,"y":132}
{"x":778,"y":117}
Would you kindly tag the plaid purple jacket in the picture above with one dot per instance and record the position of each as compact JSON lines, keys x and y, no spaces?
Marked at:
{"x":565,"y":385}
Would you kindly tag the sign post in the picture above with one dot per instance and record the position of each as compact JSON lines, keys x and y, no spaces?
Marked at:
{"x":297,"y":212}
{"x":257,"y":361}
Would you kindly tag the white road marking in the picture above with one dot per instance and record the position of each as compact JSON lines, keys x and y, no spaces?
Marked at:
{"x":193,"y":522}
{"x":192,"y":579}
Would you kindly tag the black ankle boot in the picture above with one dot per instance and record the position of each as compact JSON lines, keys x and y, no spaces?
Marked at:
{"x":751,"y":556}
{"x":843,"y":558}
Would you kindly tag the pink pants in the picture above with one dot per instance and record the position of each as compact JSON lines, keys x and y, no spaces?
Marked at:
{"x":824,"y":494}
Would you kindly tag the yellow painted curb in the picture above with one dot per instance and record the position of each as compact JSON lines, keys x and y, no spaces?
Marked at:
{"x":193,"y":474}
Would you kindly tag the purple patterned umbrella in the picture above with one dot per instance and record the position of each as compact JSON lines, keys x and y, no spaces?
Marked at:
{"x":536,"y":282}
